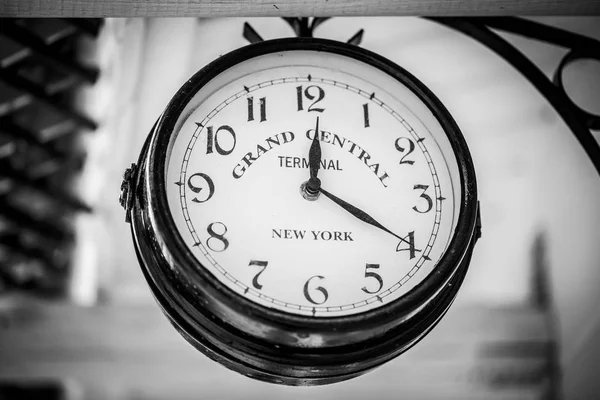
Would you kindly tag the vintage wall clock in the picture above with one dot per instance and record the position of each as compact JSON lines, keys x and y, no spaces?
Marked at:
{"x":304,"y":210}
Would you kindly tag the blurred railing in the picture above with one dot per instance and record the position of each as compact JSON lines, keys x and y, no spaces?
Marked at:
{"x":40,"y":154}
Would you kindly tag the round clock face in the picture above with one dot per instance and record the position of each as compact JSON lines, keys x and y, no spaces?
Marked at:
{"x":238,"y":164}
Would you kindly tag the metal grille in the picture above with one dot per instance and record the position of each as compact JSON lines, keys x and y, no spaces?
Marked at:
{"x":40,"y":154}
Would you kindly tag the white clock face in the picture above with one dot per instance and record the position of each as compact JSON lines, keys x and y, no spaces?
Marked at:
{"x":239,"y":156}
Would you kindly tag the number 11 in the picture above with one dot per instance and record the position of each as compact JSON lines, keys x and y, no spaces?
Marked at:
{"x":263,"y":109}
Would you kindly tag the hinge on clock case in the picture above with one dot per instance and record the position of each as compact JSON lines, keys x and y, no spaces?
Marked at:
{"x":126,"y":197}
{"x":478,"y":223}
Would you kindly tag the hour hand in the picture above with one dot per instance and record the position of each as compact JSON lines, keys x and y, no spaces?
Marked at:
{"x":314,"y":162}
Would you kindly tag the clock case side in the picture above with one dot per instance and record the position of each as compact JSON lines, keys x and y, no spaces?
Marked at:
{"x":269,"y":344}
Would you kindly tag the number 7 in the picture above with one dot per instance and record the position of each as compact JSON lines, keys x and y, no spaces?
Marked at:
{"x":263,"y":265}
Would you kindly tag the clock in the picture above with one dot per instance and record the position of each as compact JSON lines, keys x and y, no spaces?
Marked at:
{"x":303,"y":210}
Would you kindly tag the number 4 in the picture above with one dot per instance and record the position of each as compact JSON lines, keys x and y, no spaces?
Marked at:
{"x":410,"y":240}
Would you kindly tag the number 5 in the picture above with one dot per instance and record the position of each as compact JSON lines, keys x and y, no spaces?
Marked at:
{"x":369,"y":274}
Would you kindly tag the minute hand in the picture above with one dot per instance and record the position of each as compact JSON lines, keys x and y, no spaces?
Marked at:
{"x":358,"y":213}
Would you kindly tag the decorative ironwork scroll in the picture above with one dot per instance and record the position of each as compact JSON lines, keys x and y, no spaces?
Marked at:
{"x":579,"y":47}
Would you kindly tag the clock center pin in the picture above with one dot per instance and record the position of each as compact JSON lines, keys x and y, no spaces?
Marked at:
{"x":310,"y":189}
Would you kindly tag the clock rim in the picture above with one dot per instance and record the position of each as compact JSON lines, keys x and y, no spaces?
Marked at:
{"x":284,"y":364}
{"x":398,"y":310}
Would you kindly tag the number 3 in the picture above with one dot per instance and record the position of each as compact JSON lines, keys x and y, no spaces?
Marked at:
{"x":424,"y":196}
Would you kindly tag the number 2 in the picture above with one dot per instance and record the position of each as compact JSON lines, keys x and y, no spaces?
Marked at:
{"x":411,"y":148}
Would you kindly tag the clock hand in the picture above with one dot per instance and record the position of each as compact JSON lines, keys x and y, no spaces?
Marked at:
{"x":314,"y":162}
{"x":358,"y":213}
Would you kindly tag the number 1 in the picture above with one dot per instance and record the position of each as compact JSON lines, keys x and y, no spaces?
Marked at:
{"x":366,"y":114}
